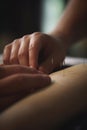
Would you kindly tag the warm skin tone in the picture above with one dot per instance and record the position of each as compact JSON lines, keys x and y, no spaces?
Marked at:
{"x":73,"y":23}
{"x":67,"y":95}
{"x":64,"y":98}
{"x":18,"y":81}
{"x":53,"y":46}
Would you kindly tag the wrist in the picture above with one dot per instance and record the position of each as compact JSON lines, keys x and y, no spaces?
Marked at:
{"x":62,"y":38}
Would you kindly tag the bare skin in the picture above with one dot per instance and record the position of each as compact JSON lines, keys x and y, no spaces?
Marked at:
{"x":33,"y":48}
{"x":68,"y":93}
{"x":16,"y":82}
{"x":63,"y":99}
{"x":43,"y":50}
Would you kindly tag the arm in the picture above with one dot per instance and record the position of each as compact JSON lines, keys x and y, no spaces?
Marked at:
{"x":45,"y":52}
{"x":73,"y":23}
{"x":66,"y":97}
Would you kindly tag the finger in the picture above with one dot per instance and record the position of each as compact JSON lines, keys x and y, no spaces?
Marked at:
{"x":23,"y":51}
{"x":14,"y":52}
{"x":15,"y":69}
{"x":49,"y":64}
{"x":13,"y":88}
{"x":15,"y":84}
{"x":34,"y":50}
{"x":6,"y":54}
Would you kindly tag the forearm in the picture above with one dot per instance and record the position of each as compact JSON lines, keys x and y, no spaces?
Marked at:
{"x":66,"y":97}
{"x":73,"y":23}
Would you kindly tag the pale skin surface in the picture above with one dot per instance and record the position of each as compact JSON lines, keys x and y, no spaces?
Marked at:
{"x":17,"y":81}
{"x":64,"y":98}
{"x":39,"y":50}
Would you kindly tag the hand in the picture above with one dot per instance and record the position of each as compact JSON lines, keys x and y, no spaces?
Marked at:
{"x":17,"y":81}
{"x":41,"y":51}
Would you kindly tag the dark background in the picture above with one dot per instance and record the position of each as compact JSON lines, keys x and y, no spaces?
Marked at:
{"x":17,"y":18}
{"x":20,"y":17}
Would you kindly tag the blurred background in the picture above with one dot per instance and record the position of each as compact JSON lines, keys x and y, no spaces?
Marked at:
{"x":20,"y":17}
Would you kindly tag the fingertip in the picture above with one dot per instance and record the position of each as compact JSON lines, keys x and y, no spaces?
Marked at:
{"x":47,"y":77}
{"x":33,"y":64}
{"x":43,"y":70}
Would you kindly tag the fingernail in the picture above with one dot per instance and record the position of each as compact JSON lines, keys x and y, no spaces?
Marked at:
{"x":31,"y":66}
{"x":41,"y":72}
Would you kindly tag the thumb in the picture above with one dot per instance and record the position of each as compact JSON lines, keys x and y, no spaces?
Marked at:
{"x":48,"y":65}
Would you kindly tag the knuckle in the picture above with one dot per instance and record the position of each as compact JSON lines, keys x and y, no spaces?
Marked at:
{"x":36,"y":39}
{"x":25,"y":37}
{"x":35,"y":34}
{"x":16,"y":41}
{"x":7,"y":46}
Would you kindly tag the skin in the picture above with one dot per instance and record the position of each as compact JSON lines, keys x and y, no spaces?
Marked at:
{"x":43,"y":50}
{"x":28,"y":50}
{"x":60,"y":101}
{"x":72,"y":82}
{"x":16,"y":82}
